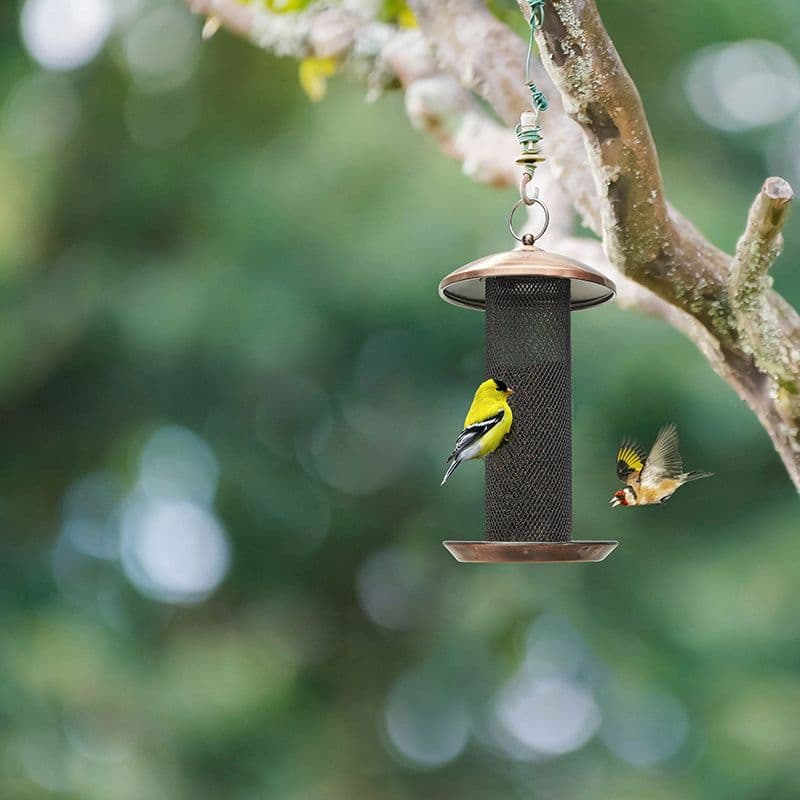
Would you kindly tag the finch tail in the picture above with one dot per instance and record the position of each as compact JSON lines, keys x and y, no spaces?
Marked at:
{"x":451,"y":468}
{"x":695,"y":476}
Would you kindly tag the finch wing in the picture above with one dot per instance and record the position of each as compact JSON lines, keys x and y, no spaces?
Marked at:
{"x":470,"y":435}
{"x":664,"y":460}
{"x":630,"y":459}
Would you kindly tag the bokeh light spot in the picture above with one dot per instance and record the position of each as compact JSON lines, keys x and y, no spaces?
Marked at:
{"x":162,"y":49}
{"x":41,"y":112}
{"x":90,"y":514}
{"x":391,"y":589}
{"x":162,"y":120}
{"x":177,"y":463}
{"x":173,"y":551}
{"x":427,"y":726}
{"x":743,"y":85}
{"x":65,"y":34}
{"x":644,"y":728}
{"x":548,"y":716}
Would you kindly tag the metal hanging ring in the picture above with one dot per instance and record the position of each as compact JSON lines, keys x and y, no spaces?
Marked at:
{"x":528,"y":237}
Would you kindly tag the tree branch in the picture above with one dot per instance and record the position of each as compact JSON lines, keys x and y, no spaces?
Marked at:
{"x":755,"y":329}
{"x":760,"y":245}
{"x":646,"y":240}
{"x":768,"y":326}
{"x":599,"y":94}
{"x":601,"y":158}
{"x":383,"y":55}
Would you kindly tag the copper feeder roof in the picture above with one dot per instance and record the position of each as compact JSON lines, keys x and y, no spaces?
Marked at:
{"x":466,"y":287}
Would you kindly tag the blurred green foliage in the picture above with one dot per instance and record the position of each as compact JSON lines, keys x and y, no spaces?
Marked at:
{"x":219,"y":304}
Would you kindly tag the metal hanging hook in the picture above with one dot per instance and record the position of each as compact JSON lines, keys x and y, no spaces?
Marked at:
{"x":526,"y":178}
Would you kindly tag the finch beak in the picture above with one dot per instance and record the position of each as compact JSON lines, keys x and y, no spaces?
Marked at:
{"x":614,"y":502}
{"x":508,"y":392}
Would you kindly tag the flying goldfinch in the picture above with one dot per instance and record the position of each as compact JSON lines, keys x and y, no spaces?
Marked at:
{"x":654,"y":477}
{"x":486,"y":425}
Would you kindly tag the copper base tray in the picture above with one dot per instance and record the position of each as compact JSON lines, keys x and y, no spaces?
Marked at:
{"x":529,"y":552}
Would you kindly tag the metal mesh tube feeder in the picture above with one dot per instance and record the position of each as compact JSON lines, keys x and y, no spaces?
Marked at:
{"x":528,"y":295}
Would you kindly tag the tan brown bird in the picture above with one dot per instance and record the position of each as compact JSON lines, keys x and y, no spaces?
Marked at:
{"x":651,"y":478}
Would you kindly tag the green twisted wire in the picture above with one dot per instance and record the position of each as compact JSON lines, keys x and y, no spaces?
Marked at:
{"x":537,"y":12}
{"x":538,"y":99}
{"x":532,"y":135}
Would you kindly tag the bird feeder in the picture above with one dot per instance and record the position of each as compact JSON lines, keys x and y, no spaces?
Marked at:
{"x":528,"y":295}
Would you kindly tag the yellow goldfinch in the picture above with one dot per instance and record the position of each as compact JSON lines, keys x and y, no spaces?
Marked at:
{"x":486,"y":425}
{"x":654,"y":477}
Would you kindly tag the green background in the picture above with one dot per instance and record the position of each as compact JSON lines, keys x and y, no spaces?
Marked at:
{"x":216,"y":286}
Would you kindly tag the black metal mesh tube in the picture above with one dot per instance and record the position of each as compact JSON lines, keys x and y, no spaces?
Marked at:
{"x":529,"y":478}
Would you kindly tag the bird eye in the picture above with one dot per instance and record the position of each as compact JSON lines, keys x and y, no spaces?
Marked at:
{"x":501,"y":386}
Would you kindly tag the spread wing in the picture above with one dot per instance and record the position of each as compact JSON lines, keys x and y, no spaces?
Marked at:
{"x":630,"y":459}
{"x":664,"y":460}
{"x":472,"y":433}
